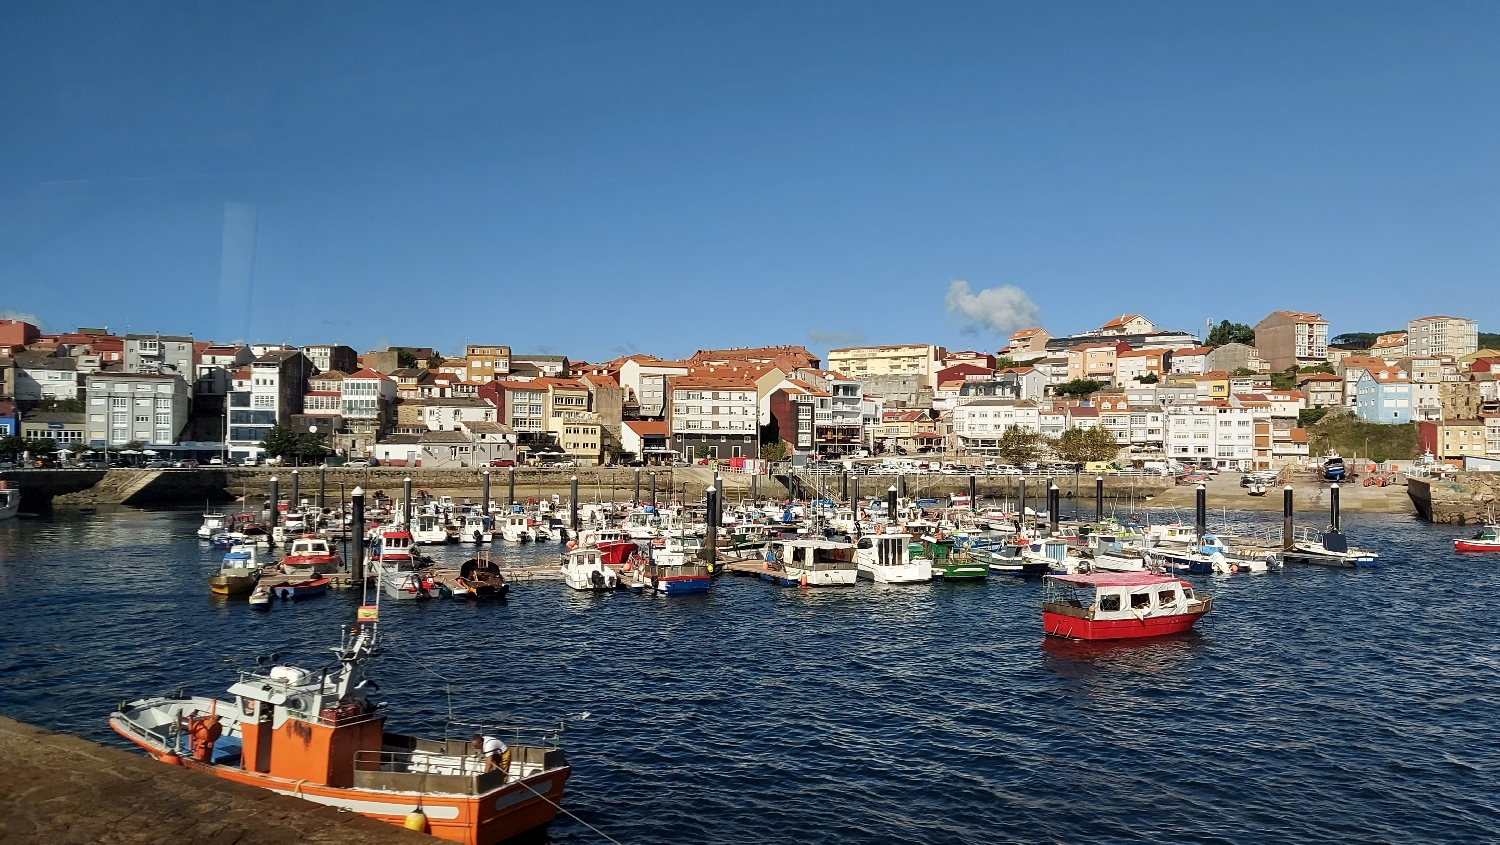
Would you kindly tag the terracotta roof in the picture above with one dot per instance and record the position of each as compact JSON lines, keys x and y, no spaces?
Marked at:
{"x":647,"y":427}
{"x":1193,"y":350}
{"x":1025,"y":333}
{"x":367,"y":373}
{"x":1121,"y":320}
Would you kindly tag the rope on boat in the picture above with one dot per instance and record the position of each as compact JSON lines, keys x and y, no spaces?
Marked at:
{"x":565,"y":811}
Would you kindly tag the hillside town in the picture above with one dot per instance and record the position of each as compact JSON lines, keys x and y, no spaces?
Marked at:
{"x":1238,"y":397}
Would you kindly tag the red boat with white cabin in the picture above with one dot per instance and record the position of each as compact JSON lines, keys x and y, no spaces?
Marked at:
{"x":1119,"y":605}
{"x":311,"y":555}
{"x":1487,"y":540}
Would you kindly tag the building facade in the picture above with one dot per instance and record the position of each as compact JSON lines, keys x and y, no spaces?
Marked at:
{"x":1287,"y":339}
{"x":858,"y":362}
{"x":142,"y":407}
{"x":1454,"y":336}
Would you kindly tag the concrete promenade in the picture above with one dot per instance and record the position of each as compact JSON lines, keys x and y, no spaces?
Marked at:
{"x":60,"y":790}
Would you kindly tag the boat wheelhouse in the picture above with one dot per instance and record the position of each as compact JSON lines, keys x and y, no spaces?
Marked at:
{"x":399,"y":571}
{"x":583,"y":569}
{"x":886,"y":559}
{"x":1330,"y":549}
{"x":516,"y":528}
{"x":429,"y":529}
{"x":476,"y":529}
{"x":238,"y":572}
{"x":949,"y":562}
{"x":1119,"y":605}
{"x":810,"y":562}
{"x":317,"y":736}
{"x":310,"y":555}
{"x":677,"y":569}
{"x":213,"y":523}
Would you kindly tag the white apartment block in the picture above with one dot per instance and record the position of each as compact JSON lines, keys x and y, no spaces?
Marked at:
{"x":1454,"y":336}
{"x":124,"y":407}
{"x":1212,"y":434}
{"x":978,"y":425}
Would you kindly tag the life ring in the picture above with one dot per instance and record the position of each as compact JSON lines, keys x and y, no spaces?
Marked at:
{"x":629,"y":566}
{"x":589,"y":539}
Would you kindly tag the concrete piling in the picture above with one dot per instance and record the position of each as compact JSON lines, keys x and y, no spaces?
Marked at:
{"x":356,"y":530}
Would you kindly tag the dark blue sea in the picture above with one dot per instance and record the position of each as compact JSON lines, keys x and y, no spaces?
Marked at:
{"x":1309,"y":706}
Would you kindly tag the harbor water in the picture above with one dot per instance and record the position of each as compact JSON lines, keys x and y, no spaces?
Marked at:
{"x":1310,"y":705}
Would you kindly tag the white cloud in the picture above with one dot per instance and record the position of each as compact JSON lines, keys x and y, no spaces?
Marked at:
{"x":1000,"y":310}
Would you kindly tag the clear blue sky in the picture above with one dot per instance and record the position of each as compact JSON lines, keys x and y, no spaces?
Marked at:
{"x":598,"y":178}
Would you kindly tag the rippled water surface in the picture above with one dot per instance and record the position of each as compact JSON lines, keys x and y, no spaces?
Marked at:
{"x":1310,"y":705}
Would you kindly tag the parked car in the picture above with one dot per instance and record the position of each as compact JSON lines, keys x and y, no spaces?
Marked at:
{"x":215,"y":462}
{"x":502,"y":463}
{"x":357,"y":464}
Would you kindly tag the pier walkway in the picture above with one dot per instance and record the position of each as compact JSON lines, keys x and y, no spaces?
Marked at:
{"x":60,"y":790}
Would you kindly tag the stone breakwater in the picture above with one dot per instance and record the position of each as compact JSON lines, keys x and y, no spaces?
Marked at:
{"x":1467,"y":498}
{"x":59,"y":790}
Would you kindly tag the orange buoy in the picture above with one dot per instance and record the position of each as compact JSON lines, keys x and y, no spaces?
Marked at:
{"x":803,"y":581}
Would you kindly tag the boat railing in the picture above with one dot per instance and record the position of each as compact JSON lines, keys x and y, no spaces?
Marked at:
{"x":456,"y":770}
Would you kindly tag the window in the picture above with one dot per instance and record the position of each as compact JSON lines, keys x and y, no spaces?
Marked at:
{"x":1140,"y":601}
{"x":119,"y":402}
{"x":1109,"y":603}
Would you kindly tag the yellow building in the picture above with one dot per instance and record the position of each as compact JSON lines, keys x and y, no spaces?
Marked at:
{"x":569,"y":420}
{"x":858,"y":362}
{"x":486,"y":363}
{"x":1096,"y":361}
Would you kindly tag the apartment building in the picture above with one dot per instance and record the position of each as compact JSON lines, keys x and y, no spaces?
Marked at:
{"x":790,"y":414}
{"x":1454,"y":336}
{"x":1128,"y":324}
{"x":841,"y":432}
{"x":1324,"y":390}
{"x":908,"y":432}
{"x":1026,"y":343}
{"x":446,"y":413}
{"x":1287,"y":339}
{"x":979,"y":425}
{"x":38,"y":377}
{"x":859,"y":362}
{"x":143,"y":407}
{"x":717,"y":413}
{"x":332,"y":357}
{"x":1454,"y":440}
{"x":486,"y":363}
{"x":214,"y":372}
{"x":159,"y":353}
{"x":1095,"y":361}
{"x":266,"y":394}
{"x":1216,"y":433}
{"x":1235,"y":356}
{"x":1190,"y":360}
{"x":1134,"y":365}
{"x":366,"y":397}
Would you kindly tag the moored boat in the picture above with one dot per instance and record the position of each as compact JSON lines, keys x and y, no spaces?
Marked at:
{"x":1487,"y":540}
{"x":809,"y":562}
{"x":213,"y":523}
{"x":301,"y":589}
{"x":310,"y":555}
{"x":237,"y":574}
{"x":886,"y":559}
{"x":583,"y":570}
{"x":10,"y":500}
{"x":482,"y":578}
{"x":948,"y":561}
{"x":400,"y":573}
{"x":1119,"y":605}
{"x":317,"y":736}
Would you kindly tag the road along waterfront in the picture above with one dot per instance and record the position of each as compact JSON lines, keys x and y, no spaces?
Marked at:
{"x":1310,"y":705}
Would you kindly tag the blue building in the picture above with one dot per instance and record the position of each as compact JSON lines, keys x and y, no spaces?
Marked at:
{"x":1383,"y":395}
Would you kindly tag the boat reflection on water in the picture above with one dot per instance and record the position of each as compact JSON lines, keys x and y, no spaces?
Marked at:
{"x":1104,"y":660}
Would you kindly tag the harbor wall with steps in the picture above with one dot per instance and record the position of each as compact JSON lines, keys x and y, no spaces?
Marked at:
{"x":61,"y":790}
{"x":1467,"y":498}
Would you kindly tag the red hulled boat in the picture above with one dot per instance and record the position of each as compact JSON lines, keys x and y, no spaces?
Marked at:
{"x":1119,"y":605}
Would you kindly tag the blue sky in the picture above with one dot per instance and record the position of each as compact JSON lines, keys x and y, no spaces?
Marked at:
{"x":595,"y":179}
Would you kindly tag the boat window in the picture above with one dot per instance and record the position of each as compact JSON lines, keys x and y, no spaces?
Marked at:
{"x":1139,"y":601}
{"x":1166,"y":597}
{"x":864,"y":543}
{"x":799,"y":554}
{"x":1109,"y":603}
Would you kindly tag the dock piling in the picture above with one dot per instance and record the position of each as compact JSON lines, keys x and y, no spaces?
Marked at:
{"x":1200,"y":511}
{"x":900,"y":486}
{"x":1098,"y":498}
{"x":573,"y":505}
{"x":511,"y":489}
{"x":635,"y":500}
{"x":1287,"y":537}
{"x":275,"y":510}
{"x":973,"y":497}
{"x":293,"y":501}
{"x":322,"y":486}
{"x":1333,"y":507}
{"x":1021,"y":502}
{"x":891,"y":496}
{"x":406,"y":502}
{"x":653,"y":492}
{"x":711,"y":517}
{"x":854,"y":502}
{"x":357,"y":537}
{"x":1054,"y":504}
{"x":485,"y":501}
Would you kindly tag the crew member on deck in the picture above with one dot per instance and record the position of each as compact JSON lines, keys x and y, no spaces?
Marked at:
{"x":496,"y":753}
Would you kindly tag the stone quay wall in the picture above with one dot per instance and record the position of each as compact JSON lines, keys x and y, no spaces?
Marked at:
{"x":1467,"y":498}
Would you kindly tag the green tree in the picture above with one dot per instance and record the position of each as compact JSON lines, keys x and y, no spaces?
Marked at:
{"x":405,"y":359}
{"x":1077,"y":387}
{"x":1284,"y":381}
{"x":1489,"y":340}
{"x":1081,"y":445}
{"x":435,"y":361}
{"x":1227,"y":332}
{"x":68,"y":406}
{"x":1242,"y":371}
{"x":1148,"y":378}
{"x":1021,"y":446}
{"x":1316,"y":368}
{"x":618,"y":454}
{"x":773,"y":451}
{"x":1310,"y":416}
{"x":280,"y":442}
{"x":703,"y":450}
{"x":12,"y":445}
{"x":1004,"y":361}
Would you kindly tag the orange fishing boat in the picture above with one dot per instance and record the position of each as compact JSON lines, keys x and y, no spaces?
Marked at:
{"x":319,"y":737}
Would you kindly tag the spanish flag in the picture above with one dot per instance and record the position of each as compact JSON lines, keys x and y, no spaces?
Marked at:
{"x":368,"y":613}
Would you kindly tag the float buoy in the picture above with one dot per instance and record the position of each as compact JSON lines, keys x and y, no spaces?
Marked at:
{"x":416,"y":820}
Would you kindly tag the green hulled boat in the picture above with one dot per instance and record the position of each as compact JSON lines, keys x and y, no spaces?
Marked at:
{"x":949,"y":563}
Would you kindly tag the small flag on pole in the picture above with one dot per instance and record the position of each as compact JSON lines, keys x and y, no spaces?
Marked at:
{"x":368,"y":613}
